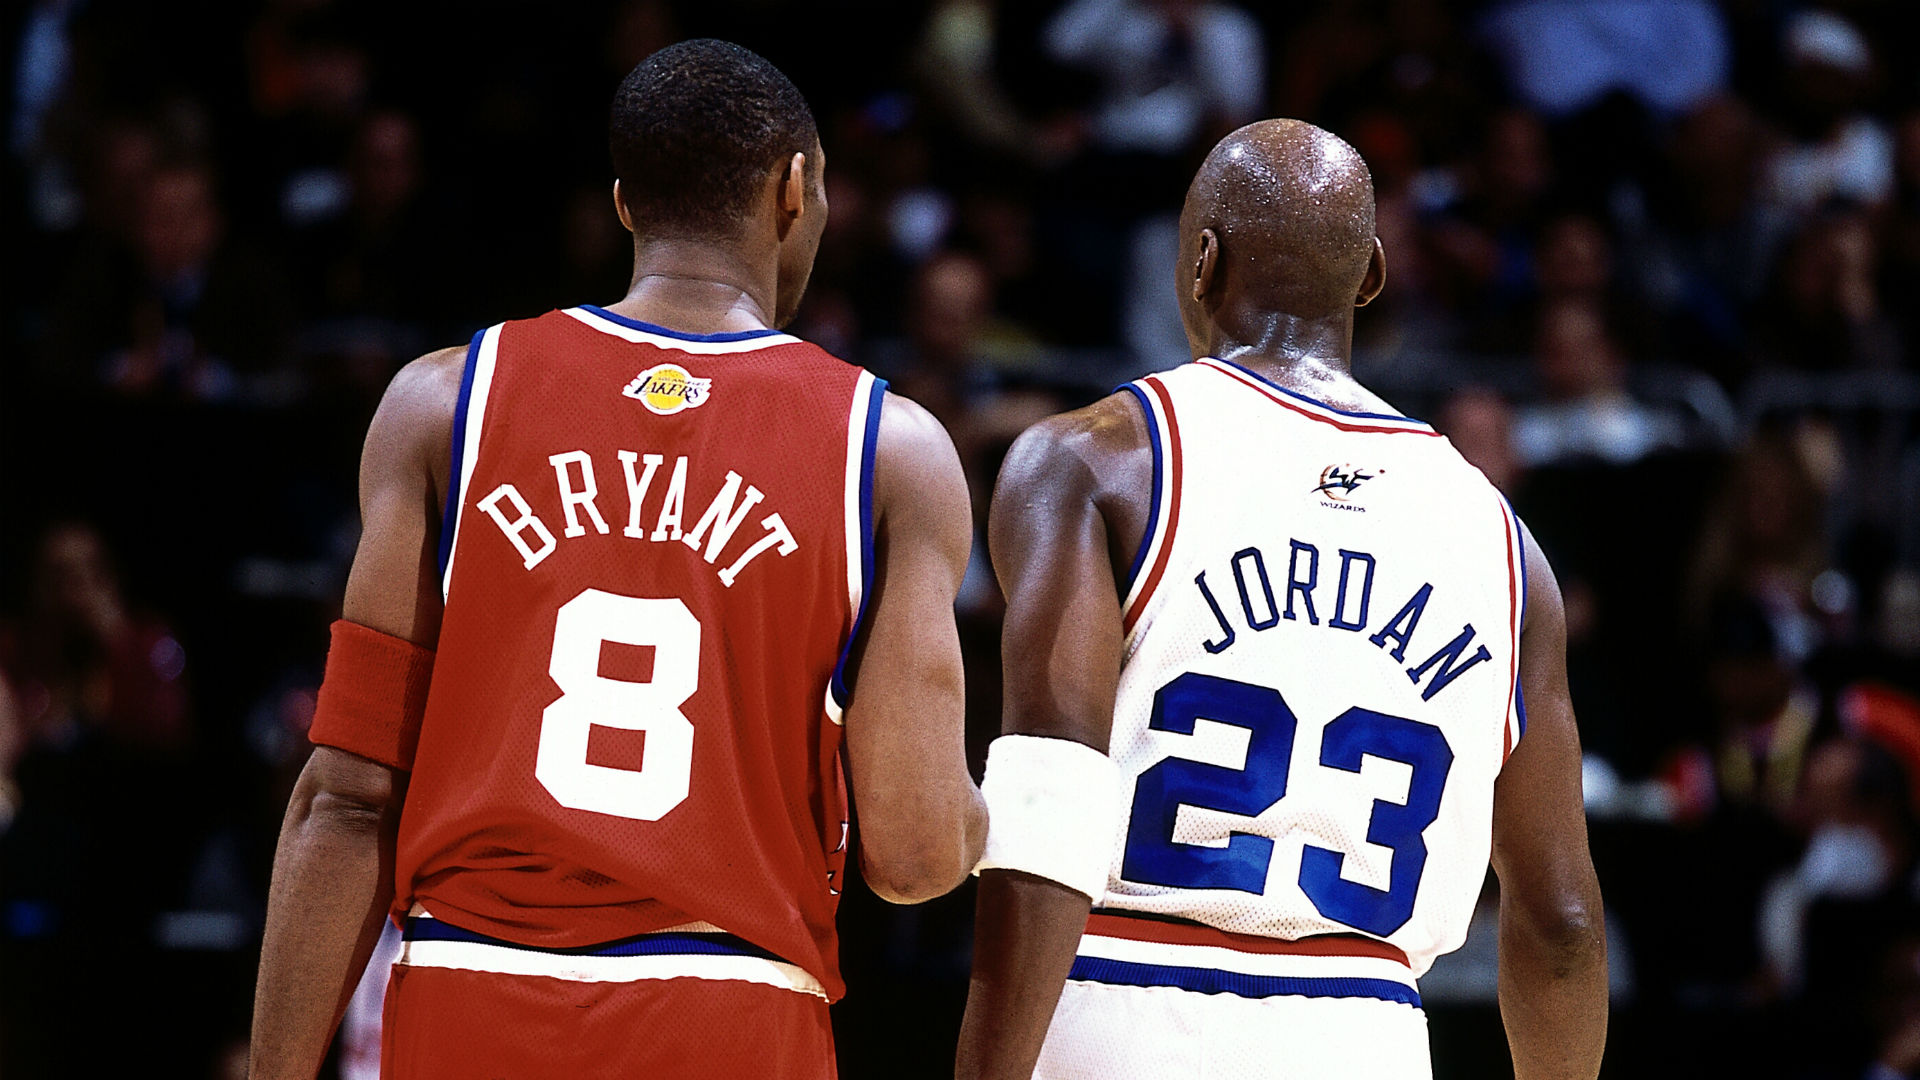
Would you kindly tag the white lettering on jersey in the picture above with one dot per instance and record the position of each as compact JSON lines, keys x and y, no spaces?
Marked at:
{"x":711,"y":537}
{"x":722,"y":517}
{"x":776,"y":534}
{"x":637,"y":489}
{"x":523,"y":521}
{"x":572,"y":499}
{"x":675,"y":504}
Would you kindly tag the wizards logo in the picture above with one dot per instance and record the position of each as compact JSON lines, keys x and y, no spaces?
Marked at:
{"x":1338,"y":482}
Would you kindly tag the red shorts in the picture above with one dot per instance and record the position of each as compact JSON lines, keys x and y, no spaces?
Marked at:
{"x":473,"y":1025}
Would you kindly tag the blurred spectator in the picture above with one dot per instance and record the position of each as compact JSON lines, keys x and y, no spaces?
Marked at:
{"x":1763,"y":540}
{"x":368,"y":267}
{"x":311,"y":78}
{"x":358,"y":251}
{"x":596,"y":254}
{"x":1563,"y":56}
{"x":1896,"y":1011}
{"x":12,"y":742}
{"x":1856,"y":808}
{"x":1482,"y":218}
{"x":1900,"y":227}
{"x":1588,"y":413}
{"x":1175,"y":73}
{"x":183,"y":313}
{"x":1826,"y":311}
{"x":1838,"y":150}
{"x":945,"y":370}
{"x":1574,"y":260}
{"x":1703,"y":254}
{"x":1175,"y":76}
{"x":950,"y":337}
{"x":85,"y":663}
{"x":957,"y":70}
{"x":1479,"y":423}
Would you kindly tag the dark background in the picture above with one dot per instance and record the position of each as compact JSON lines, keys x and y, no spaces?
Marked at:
{"x":1653,"y":268}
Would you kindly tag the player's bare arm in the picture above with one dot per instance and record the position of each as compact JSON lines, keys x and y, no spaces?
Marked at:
{"x":1553,"y":959}
{"x":1067,"y":516}
{"x":922,"y":821}
{"x":333,"y":871}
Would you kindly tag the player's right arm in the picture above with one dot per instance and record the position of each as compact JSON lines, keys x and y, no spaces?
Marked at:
{"x":333,"y":870}
{"x":1062,"y":518}
{"x":922,"y":821}
{"x":1553,"y":955}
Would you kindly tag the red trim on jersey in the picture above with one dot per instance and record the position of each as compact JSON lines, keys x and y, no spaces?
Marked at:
{"x":1513,"y":623}
{"x":1174,"y":472}
{"x":1343,"y":425}
{"x":1102,"y":924}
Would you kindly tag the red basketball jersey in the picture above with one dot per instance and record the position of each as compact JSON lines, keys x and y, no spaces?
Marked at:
{"x":654,"y":554}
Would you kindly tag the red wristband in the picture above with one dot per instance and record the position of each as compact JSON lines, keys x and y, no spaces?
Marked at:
{"x":374,"y":695}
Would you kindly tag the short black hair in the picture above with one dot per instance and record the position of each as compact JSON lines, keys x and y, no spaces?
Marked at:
{"x":695,"y":129}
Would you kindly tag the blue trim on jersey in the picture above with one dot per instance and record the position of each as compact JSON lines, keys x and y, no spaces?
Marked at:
{"x":647,"y":327}
{"x":1519,"y":691}
{"x":450,"y":516}
{"x":837,"y":686}
{"x":1153,"y":508}
{"x":1213,"y":981}
{"x":670,"y":943}
{"x":1296,"y":395}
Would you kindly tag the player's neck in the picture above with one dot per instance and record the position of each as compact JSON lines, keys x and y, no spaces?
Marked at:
{"x":1275,"y":343}
{"x":1310,"y":356}
{"x":698,"y":288}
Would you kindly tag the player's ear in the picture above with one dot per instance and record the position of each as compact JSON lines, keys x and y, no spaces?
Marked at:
{"x":620,"y":208}
{"x":1376,"y":278}
{"x":1205,"y":265}
{"x":793,"y":186}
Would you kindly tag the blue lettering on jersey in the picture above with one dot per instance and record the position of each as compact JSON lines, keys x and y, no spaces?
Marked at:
{"x":1294,"y":582}
{"x":1226,"y":628}
{"x":1446,"y":657}
{"x":1352,"y":735}
{"x":1351,"y":607}
{"x":1339,"y":619}
{"x":1272,"y":617}
{"x":1154,"y":857}
{"x":1409,"y":613}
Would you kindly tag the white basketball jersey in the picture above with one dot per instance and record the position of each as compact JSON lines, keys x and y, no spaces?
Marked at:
{"x":1320,"y":681}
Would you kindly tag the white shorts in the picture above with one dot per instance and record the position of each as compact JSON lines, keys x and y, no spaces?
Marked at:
{"x":1206,"y":1005}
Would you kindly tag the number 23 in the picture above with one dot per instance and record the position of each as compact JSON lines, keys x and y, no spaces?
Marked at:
{"x":1152,"y":855}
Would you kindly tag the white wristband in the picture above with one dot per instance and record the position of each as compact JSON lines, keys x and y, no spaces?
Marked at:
{"x":1053,"y":806}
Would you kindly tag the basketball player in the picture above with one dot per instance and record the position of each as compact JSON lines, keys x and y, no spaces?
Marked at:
{"x":581,"y":730}
{"x":1282,"y":671}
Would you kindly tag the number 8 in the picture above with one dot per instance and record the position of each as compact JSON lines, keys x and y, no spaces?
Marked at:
{"x":583,"y":624}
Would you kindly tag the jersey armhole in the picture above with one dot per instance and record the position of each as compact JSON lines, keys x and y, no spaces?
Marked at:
{"x":1519,"y":687}
{"x":1163,"y":509}
{"x":469,"y":415}
{"x":1153,"y":508}
{"x":1515,"y":722}
{"x":863,"y":435}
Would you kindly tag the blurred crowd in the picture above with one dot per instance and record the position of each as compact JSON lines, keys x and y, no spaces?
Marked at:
{"x":1654,"y":266}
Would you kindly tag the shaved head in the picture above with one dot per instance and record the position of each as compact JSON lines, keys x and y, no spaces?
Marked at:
{"x":1287,"y":209}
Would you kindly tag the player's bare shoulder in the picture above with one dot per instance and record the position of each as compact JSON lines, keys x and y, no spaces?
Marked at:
{"x":414,"y":423}
{"x":1101,"y":454}
{"x":918,"y":483}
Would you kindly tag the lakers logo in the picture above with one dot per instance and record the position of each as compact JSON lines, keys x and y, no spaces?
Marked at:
{"x":668,"y":388}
